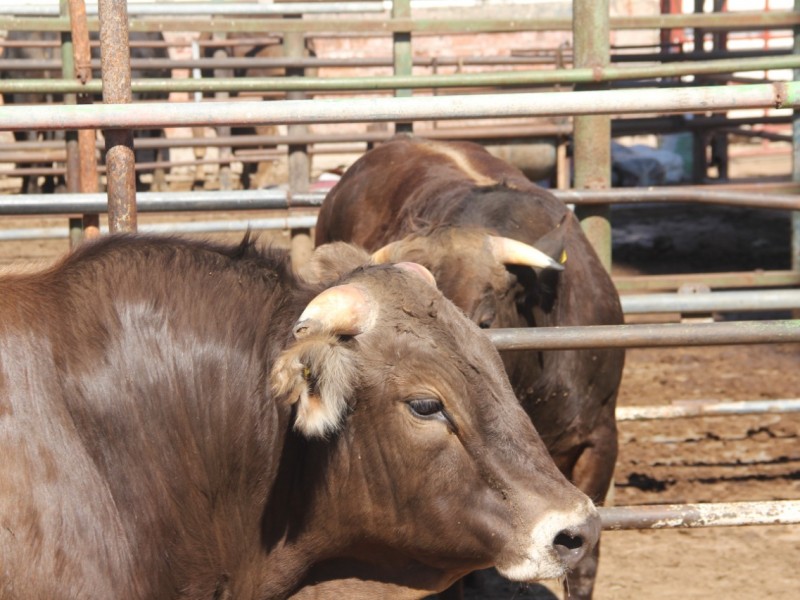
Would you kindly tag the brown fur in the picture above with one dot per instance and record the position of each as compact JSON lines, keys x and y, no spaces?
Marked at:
{"x":145,"y":455}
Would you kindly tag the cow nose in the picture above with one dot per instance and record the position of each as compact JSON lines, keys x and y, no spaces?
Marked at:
{"x":575,"y":542}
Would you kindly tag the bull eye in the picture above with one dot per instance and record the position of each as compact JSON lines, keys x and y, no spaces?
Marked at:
{"x":486,"y":323}
{"x":426,"y":408}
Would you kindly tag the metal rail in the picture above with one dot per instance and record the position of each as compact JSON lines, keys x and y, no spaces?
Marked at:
{"x":359,"y":110}
{"x":707,"y":408}
{"x":207,"y":8}
{"x":646,"y":336}
{"x":392,"y":82}
{"x":727,"y":514}
{"x":43,"y":204}
{"x":761,"y":300}
{"x":739,"y":20}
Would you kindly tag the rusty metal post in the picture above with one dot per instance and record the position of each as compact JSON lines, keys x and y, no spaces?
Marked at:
{"x":116,"y":68}
{"x":592,"y":136}
{"x":89,"y":183}
{"x":299,"y":163}
{"x":403,"y":60}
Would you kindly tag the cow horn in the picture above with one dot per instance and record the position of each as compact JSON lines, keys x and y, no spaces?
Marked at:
{"x":341,"y":310}
{"x":384,"y":254}
{"x":418,"y":270}
{"x":514,"y":252}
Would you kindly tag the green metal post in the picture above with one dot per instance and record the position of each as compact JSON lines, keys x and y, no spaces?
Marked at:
{"x":592,"y":134}
{"x":299,"y":162}
{"x":403,"y":62}
{"x":73,"y":154}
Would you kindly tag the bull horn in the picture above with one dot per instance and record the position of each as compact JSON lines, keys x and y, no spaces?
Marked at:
{"x":384,"y":254}
{"x":514,"y":252}
{"x":418,"y":270}
{"x":340,"y":310}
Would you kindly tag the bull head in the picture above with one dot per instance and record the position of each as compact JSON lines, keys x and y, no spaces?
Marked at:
{"x":319,"y":373}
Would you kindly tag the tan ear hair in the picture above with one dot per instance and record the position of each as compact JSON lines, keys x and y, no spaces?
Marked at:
{"x":330,"y":261}
{"x":317,"y":374}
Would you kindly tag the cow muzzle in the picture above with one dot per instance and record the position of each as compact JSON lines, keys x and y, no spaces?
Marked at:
{"x":555,"y":545}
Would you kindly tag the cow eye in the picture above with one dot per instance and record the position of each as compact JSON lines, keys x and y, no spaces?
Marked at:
{"x":486,"y":323}
{"x":425,"y":408}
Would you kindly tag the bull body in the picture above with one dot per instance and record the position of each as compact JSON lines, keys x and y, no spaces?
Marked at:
{"x":184,"y":420}
{"x":434,"y":203}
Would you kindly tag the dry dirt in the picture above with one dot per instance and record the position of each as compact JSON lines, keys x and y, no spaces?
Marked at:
{"x":718,"y":459}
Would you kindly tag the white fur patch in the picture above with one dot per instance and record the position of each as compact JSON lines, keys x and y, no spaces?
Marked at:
{"x":319,"y":375}
{"x":463,"y":164}
{"x":541,"y":559}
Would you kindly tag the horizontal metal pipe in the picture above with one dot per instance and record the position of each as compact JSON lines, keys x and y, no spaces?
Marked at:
{"x":357,"y":110}
{"x":390,"y":82}
{"x":739,"y":20}
{"x":710,"y":408}
{"x":737,"y":279}
{"x":646,"y":336}
{"x":683,"y":194}
{"x":283,"y":223}
{"x":711,"y":302}
{"x":449,"y":133}
{"x":518,"y":131}
{"x":727,"y":514}
{"x":37,"y":204}
{"x":207,"y":8}
{"x":160,"y":64}
{"x":231,"y":200}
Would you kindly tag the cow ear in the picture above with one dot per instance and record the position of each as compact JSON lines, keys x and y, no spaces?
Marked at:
{"x":317,"y":375}
{"x":329,"y":262}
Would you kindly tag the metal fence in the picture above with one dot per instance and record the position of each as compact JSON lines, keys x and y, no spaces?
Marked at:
{"x":589,"y":106}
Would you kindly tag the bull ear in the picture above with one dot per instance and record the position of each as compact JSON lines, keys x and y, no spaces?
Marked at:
{"x":331,"y":261}
{"x":318,"y":373}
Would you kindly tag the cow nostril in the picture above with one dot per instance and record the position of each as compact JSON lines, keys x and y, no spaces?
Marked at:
{"x":570,"y":548}
{"x":569,"y":542}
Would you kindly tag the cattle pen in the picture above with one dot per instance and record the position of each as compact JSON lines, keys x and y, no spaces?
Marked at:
{"x":699,"y":94}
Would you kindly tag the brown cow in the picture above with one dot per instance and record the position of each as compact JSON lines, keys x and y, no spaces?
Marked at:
{"x":495,"y":241}
{"x":185,"y":420}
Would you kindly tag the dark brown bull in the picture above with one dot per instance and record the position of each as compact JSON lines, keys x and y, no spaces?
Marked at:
{"x":463,"y":213}
{"x":183,"y":420}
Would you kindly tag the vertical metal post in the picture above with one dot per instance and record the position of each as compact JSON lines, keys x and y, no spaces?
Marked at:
{"x":225,"y":153}
{"x":719,"y":140}
{"x":89,"y":183}
{"x":796,"y":155}
{"x":299,"y":163}
{"x":116,"y":67}
{"x":403,"y":60}
{"x":71,"y":137}
{"x":699,"y":136}
{"x":592,"y":134}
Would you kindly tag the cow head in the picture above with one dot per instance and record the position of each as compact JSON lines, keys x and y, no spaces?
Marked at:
{"x":496,"y":281}
{"x":424,"y":465}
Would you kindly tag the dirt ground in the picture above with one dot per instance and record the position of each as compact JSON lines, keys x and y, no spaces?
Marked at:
{"x":719,"y":459}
